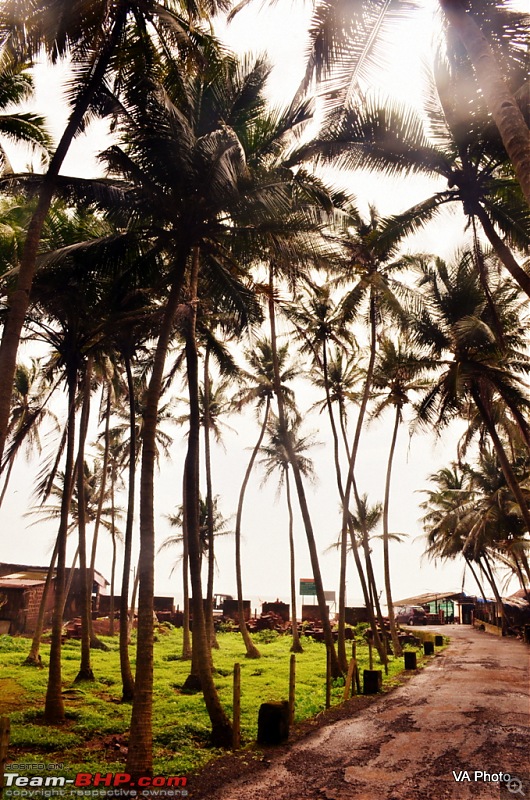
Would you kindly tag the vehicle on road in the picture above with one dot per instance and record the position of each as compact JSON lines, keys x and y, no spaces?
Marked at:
{"x":410,"y":615}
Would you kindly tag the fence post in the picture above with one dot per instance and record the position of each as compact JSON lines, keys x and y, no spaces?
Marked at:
{"x":292,"y":687}
{"x":349,"y":680}
{"x":4,"y":743}
{"x":236,"y":706}
{"x":328,"y":677}
{"x":357,"y":675}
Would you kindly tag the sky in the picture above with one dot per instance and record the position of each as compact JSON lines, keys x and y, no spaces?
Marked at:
{"x":281,"y":33}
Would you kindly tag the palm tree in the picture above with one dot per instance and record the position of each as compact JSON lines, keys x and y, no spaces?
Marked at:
{"x":261,"y":392}
{"x":374,"y":264}
{"x":31,"y":393}
{"x":277,"y":459}
{"x":16,"y":86}
{"x":480,"y":352}
{"x":455,"y":144}
{"x":492,"y":81}
{"x":397,"y":373}
{"x":320,"y":322}
{"x":91,"y":34}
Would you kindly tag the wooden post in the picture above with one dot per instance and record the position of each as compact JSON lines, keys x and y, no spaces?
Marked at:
{"x":4,"y":743}
{"x":328,"y":677}
{"x":236,"y":706}
{"x":357,"y":674}
{"x":292,"y":687}
{"x":370,"y":655}
{"x":350,"y":682}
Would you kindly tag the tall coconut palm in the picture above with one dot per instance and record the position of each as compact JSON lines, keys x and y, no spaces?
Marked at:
{"x":396,"y":374}
{"x":277,"y":459}
{"x":454,"y":142}
{"x":259,"y":390}
{"x":460,"y":329}
{"x":319,"y":324}
{"x":96,"y":36}
{"x":492,"y":80}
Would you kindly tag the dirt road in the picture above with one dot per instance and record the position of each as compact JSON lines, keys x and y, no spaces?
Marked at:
{"x":447,"y":733}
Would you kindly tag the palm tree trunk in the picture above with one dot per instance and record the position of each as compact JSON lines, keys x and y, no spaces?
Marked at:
{"x":477,"y":579}
{"x":252,"y":650}
{"x":347,"y":523}
{"x":386,"y":533}
{"x":33,"y":658}
{"x":503,"y":251}
{"x":507,"y":471}
{"x":54,"y":705}
{"x":113,"y":566}
{"x":125,"y":662}
{"x":500,"y":101}
{"x":221,"y":726}
{"x":302,"y":500}
{"x":341,"y":636}
{"x":210,"y":631}
{"x":85,"y":669}
{"x":296,"y":646}
{"x":140,"y":752}
{"x":186,"y":641}
{"x":95,"y":642}
{"x":19,"y":299}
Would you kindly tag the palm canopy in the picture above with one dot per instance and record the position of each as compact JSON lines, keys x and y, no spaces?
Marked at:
{"x":16,"y":86}
{"x":478,"y":346}
{"x":275,"y":457}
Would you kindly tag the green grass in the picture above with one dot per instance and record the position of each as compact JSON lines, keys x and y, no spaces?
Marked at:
{"x":97,"y":722}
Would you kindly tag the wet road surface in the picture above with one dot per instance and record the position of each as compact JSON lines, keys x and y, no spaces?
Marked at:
{"x":465,"y":716}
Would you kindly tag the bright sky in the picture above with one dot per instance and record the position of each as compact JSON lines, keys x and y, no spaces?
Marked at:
{"x":281,"y":33}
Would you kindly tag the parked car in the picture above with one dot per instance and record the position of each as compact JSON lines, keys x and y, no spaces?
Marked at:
{"x":410,"y":615}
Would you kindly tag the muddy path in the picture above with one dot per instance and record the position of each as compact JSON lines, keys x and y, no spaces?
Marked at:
{"x":449,"y":732}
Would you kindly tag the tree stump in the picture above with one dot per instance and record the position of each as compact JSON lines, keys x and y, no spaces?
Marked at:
{"x":372,"y":681}
{"x":273,"y":722}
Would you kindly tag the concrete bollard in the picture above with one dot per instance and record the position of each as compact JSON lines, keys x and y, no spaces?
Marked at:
{"x":273,"y":722}
{"x":410,"y":659}
{"x":372,"y":681}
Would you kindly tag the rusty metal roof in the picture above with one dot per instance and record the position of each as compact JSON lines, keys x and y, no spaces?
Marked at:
{"x":18,"y":583}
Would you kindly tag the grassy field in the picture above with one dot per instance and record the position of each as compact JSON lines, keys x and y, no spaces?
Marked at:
{"x":97,"y":722}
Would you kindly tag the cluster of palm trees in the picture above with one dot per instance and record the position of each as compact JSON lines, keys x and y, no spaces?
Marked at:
{"x":216,"y":217}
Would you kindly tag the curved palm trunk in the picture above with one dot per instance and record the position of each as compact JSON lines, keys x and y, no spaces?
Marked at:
{"x":302,"y":500}
{"x":54,"y":705}
{"x":140,"y":752}
{"x":186,"y":640}
{"x":507,"y":471}
{"x":386,"y":554}
{"x":296,"y":647}
{"x":113,"y":566}
{"x":210,"y":631}
{"x":221,"y":726}
{"x":127,"y":679}
{"x":252,"y":650}
{"x":488,"y":572}
{"x":500,"y":101}
{"x":503,"y":252}
{"x":95,"y":642}
{"x":85,"y":669}
{"x":33,"y":658}
{"x":19,"y":299}
{"x":347,"y":522}
{"x":477,"y":579}
{"x":341,"y":637}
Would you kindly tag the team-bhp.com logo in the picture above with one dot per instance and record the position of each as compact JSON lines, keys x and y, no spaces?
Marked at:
{"x":89,"y":780}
